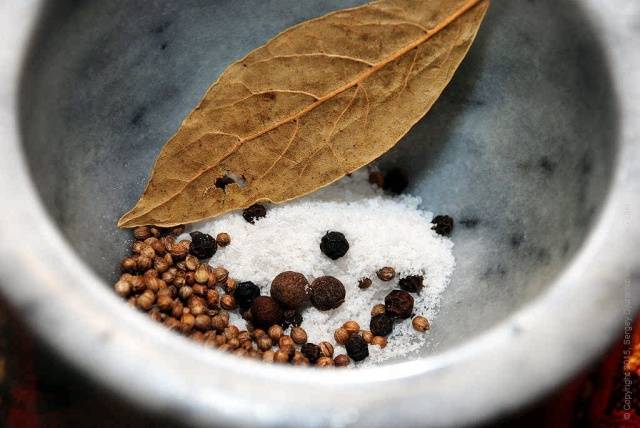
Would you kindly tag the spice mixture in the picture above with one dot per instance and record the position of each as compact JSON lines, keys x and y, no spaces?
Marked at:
{"x":351,"y":273}
{"x":386,"y":235}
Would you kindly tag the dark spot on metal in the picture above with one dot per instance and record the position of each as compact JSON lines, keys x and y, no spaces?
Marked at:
{"x":164,"y":46}
{"x":138,"y":116}
{"x":470,"y":223}
{"x":546,"y":165}
{"x":516,"y":240}
{"x":159,"y":29}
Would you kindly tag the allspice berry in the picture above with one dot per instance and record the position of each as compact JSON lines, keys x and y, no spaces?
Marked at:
{"x":398,"y":304}
{"x":364,"y":283}
{"x":341,"y":360}
{"x":327,"y":293}
{"x":387,"y":273}
{"x":326,"y":349}
{"x":266,"y":312}
{"x":351,"y":327}
{"x":412,"y":283}
{"x":420,"y":323}
{"x":290,"y":289}
{"x":324,"y":362}
{"x":341,"y":335}
{"x":377,"y":310}
{"x":381,"y":325}
{"x":357,"y":348}
{"x":223,"y":239}
{"x":298,"y":335}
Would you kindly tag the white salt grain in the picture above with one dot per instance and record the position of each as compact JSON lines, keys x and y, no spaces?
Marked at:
{"x":382,"y":231}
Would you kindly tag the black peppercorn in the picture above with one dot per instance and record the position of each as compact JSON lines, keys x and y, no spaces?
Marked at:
{"x":327,"y":293}
{"x":203,"y":246}
{"x":244,"y":294}
{"x":442,"y":224}
{"x":254,"y":212}
{"x":357,"y":348}
{"x":292,"y":318}
{"x":334,"y":245}
{"x":398,"y":304}
{"x":311,"y":351}
{"x":265,"y":312}
{"x":395,"y":181}
{"x":412,"y":283}
{"x":381,"y":325}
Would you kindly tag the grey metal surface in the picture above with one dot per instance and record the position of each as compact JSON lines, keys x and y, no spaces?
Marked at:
{"x":533,"y":149}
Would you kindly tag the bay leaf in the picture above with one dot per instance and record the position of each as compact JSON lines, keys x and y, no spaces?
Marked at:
{"x":318,"y":101}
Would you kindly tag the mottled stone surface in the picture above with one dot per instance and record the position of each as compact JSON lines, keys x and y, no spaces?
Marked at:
{"x":518,"y":150}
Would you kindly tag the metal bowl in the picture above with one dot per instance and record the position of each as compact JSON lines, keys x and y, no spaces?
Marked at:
{"x":533,"y":149}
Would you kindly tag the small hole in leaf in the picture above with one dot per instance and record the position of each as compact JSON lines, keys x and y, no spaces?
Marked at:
{"x":224,"y":181}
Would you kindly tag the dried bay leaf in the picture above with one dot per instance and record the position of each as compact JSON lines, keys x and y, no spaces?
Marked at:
{"x":318,"y":101}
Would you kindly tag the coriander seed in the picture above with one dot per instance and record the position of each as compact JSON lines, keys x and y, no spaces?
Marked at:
{"x":268,"y":356}
{"x":230,"y":286}
{"x":123,"y":288}
{"x":367,"y":336}
{"x":128,"y":264}
{"x":203,"y":322}
{"x":191,"y":262}
{"x":264,"y":343}
{"x":179,"y":251}
{"x":228,"y":302}
{"x":223,"y":239}
{"x":326,"y":349}
{"x":379,"y":341}
{"x":187,"y":322}
{"x":218,"y":323}
{"x":221,"y":274}
{"x":341,"y":360}
{"x":351,"y":327}
{"x":341,"y":335}
{"x":164,"y":302}
{"x":420,"y":323}
{"x":377,"y":310}
{"x":141,"y":233}
{"x":324,"y":362}
{"x":298,"y":335}
{"x":202,"y":274}
{"x":275,"y":332}
{"x":281,"y":356}
{"x":387,"y":273}
{"x":285,"y":341}
{"x":146,"y":300}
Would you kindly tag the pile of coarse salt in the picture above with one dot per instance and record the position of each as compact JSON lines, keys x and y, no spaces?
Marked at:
{"x":382,"y":230}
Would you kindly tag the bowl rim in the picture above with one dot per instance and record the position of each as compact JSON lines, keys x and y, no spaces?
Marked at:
{"x":70,"y":308}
